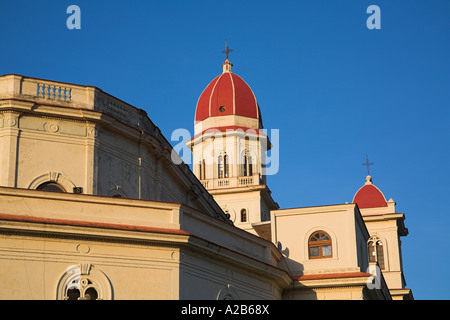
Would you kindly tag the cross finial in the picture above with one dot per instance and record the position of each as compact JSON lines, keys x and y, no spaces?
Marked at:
{"x":367,"y":164}
{"x":227,"y":50}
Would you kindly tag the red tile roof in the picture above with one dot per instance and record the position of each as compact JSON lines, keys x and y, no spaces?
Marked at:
{"x":331,"y":276}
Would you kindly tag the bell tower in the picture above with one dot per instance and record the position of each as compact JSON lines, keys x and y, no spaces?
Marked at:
{"x":229,"y":149}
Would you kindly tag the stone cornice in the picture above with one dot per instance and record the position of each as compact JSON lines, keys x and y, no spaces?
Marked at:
{"x":38,"y":227}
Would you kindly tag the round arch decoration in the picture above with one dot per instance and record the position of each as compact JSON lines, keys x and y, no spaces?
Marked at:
{"x":117,"y":191}
{"x":86,"y":279}
{"x":227,"y":293}
{"x":52,"y":176}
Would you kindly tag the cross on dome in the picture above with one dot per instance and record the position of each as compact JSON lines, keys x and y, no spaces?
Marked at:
{"x":227,"y":64}
{"x":367,"y":164}
{"x":227,"y":50}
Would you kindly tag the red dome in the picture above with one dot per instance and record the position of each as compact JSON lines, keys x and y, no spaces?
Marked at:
{"x":227,"y":94}
{"x":369,"y":196}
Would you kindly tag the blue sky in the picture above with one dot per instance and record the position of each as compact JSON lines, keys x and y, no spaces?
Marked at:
{"x":335,"y":90}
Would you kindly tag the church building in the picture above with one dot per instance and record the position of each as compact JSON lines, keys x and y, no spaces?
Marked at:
{"x":94,"y":207}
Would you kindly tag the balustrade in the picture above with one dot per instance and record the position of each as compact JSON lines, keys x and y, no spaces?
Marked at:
{"x":233,"y":182}
{"x":245,"y":181}
{"x":51,"y":91}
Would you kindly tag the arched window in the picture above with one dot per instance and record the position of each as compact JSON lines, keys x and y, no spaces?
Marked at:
{"x":72,"y":294}
{"x":247,"y":165}
{"x":243,"y":215}
{"x":226,"y":166}
{"x":202,"y":170}
{"x":81,"y":289}
{"x":117,"y":192}
{"x":50,"y":186}
{"x":84,"y":282}
{"x":375,"y":249}
{"x":227,"y":293}
{"x":220,"y":167}
{"x":319,"y":245}
{"x":223,"y":166}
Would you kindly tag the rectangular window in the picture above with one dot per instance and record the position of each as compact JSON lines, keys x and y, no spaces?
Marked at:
{"x":200,"y":170}
{"x":203,"y":169}
{"x":226,"y":167}
{"x":380,"y":256}
{"x":326,"y":251}
{"x":245,"y":166}
{"x":314,"y":251}
{"x":372,"y":257}
{"x":220,"y":170}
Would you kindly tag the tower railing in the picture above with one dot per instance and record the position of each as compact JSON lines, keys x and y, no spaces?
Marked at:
{"x":232,"y":182}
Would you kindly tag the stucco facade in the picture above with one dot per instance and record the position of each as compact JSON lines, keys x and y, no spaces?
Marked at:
{"x":127,"y":249}
{"x":129,"y":223}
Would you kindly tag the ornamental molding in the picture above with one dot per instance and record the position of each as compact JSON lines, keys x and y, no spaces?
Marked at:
{"x":227,"y":293}
{"x":83,"y":276}
{"x":119,"y":239}
{"x":54,"y":176}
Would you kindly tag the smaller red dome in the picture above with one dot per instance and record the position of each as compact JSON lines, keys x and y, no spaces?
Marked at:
{"x":369,"y":196}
